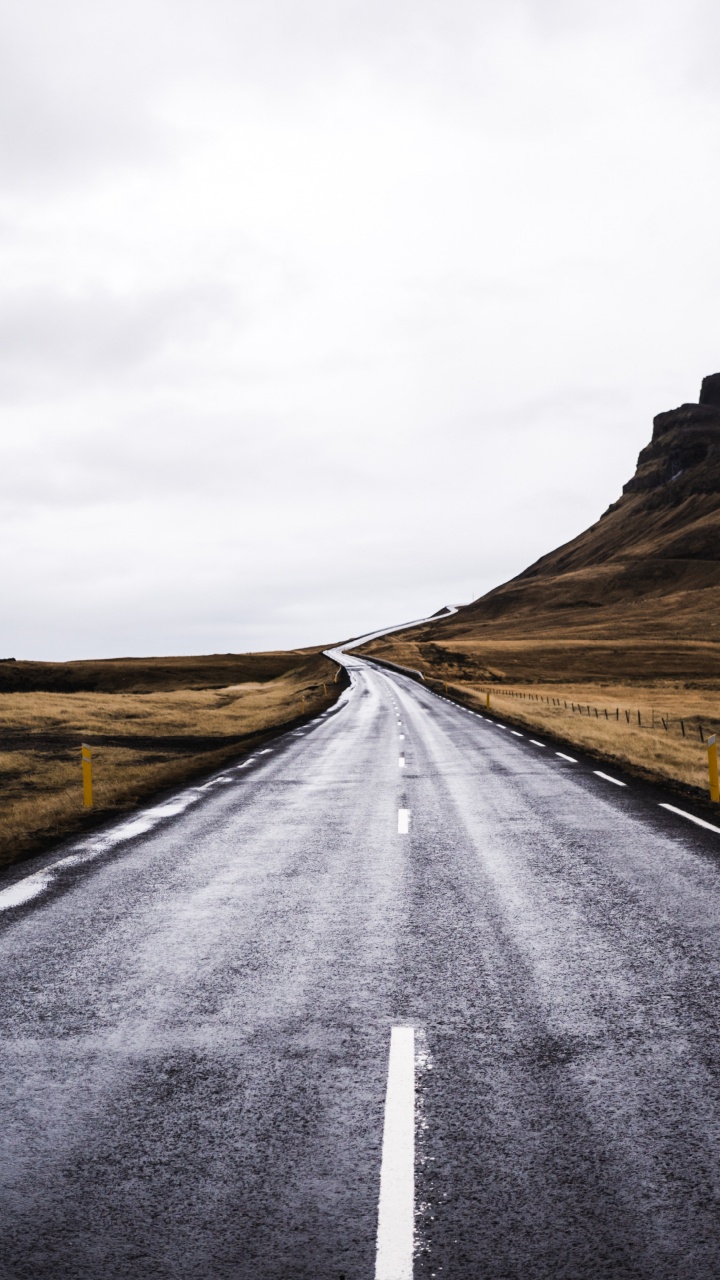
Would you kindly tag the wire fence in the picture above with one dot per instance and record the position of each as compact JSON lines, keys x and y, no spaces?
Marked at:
{"x":688,"y":726}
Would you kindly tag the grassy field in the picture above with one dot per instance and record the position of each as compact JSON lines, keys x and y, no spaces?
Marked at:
{"x":661,"y":731}
{"x":657,"y":728}
{"x":152,"y":724}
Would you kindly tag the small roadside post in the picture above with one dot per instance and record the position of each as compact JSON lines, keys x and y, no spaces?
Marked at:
{"x":87,"y":776}
{"x":487,"y":701}
{"x":713,"y":768}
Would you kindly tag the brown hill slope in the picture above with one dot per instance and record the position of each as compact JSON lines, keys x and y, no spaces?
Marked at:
{"x":611,"y":642}
{"x":636,"y":595}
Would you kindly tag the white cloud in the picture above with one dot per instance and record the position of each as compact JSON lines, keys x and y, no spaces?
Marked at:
{"x":316,"y":316}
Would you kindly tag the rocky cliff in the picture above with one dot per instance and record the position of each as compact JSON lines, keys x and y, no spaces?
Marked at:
{"x":683,"y":457}
{"x":661,"y":536}
{"x":638,"y":591}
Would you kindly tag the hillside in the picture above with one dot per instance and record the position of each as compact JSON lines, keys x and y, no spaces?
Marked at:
{"x":611,"y":642}
{"x":636,"y":595}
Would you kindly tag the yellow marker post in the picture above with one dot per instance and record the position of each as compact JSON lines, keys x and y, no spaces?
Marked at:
{"x":713,"y":769}
{"x":487,"y":701}
{"x":87,"y":776}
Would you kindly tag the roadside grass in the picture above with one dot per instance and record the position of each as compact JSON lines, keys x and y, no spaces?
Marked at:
{"x":143,"y":743}
{"x":648,"y":747}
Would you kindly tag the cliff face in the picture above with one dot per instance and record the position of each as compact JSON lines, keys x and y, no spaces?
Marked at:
{"x":635,"y":597}
{"x":683,"y":457}
{"x":660,"y":538}
{"x":637,"y":594}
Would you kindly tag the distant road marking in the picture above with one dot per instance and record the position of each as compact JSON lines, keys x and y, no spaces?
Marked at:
{"x":691,"y":817}
{"x":515,"y":733}
{"x":396,"y":1209}
{"x":562,"y":756}
{"x":402,"y":737}
{"x":265,"y":751}
{"x":536,"y":743}
{"x":401,"y":762}
{"x":599,"y":774}
{"x":403,"y":821}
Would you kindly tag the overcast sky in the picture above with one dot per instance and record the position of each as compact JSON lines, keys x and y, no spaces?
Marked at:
{"x":316,"y":315}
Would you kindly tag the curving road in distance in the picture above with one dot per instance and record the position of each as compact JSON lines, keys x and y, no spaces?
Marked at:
{"x":407,"y":994}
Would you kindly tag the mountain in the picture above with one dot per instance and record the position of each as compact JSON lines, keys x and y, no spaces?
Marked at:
{"x":636,"y":596}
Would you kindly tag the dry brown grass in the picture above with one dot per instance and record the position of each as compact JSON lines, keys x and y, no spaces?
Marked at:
{"x":142,"y":743}
{"x":605,"y":723}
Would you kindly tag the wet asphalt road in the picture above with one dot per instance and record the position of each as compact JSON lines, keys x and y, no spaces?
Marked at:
{"x":196,"y":1020}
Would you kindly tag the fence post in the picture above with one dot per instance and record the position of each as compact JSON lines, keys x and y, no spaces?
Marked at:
{"x":487,"y":701}
{"x":87,"y":776}
{"x":713,"y":769}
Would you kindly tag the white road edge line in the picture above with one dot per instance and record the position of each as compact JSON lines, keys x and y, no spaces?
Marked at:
{"x":691,"y":817}
{"x":403,"y":821}
{"x":599,"y":774}
{"x":562,"y":756}
{"x":396,"y":1208}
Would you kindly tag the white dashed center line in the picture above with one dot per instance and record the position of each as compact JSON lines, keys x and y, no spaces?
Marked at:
{"x":401,"y":762}
{"x":562,"y":756}
{"x":515,"y":733}
{"x":402,"y":737}
{"x":396,"y":1210}
{"x":536,"y":743}
{"x":403,"y":821}
{"x":606,"y":776}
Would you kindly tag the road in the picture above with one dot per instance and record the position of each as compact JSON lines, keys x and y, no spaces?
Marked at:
{"x":198,"y":1008}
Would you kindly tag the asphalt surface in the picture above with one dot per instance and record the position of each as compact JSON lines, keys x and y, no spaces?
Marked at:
{"x":197,"y":1012}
